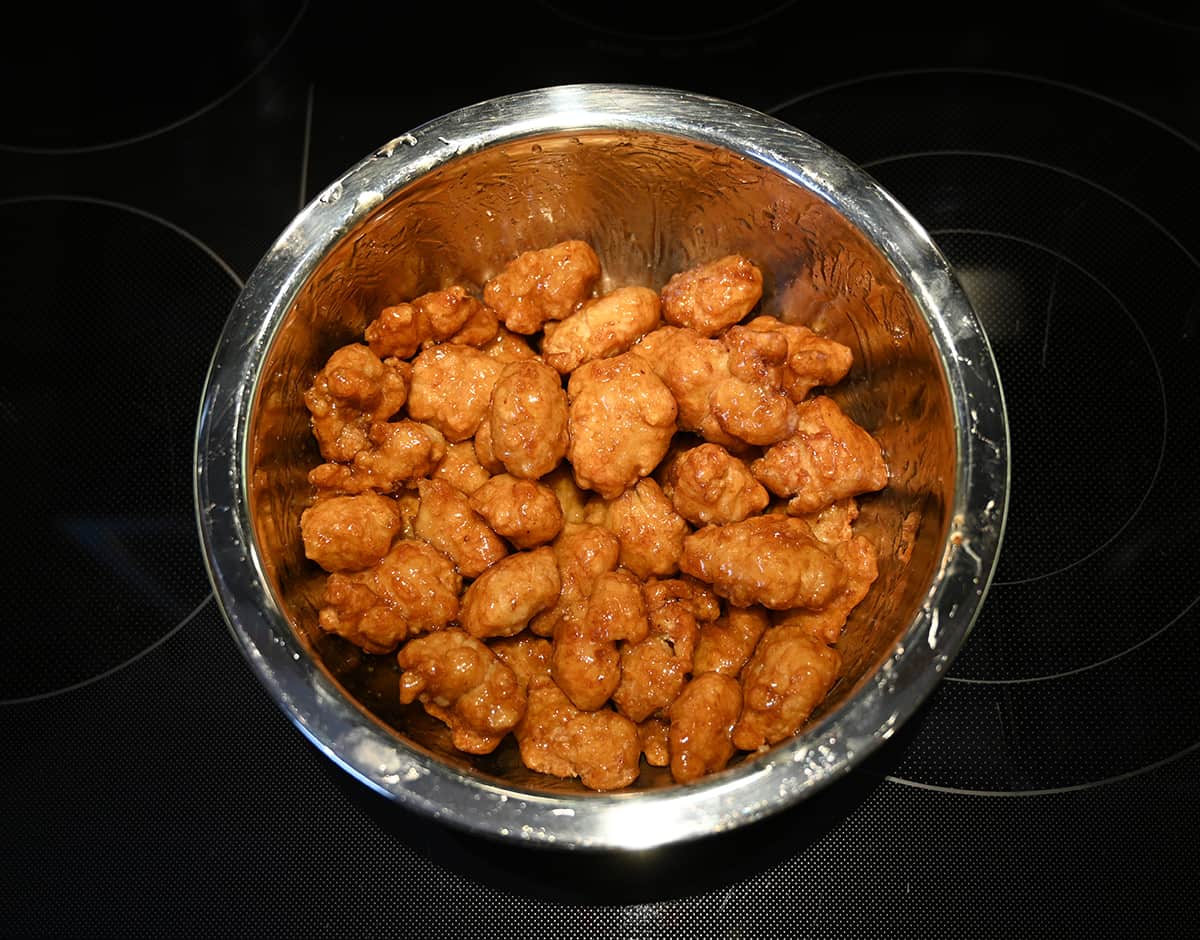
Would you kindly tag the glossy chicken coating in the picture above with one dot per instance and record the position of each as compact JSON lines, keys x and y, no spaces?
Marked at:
{"x":413,"y":589}
{"x":707,"y":484}
{"x":528,"y":419}
{"x":446,"y":521}
{"x":349,"y":533}
{"x":583,"y":552}
{"x":655,"y":735}
{"x":397,"y":454}
{"x":601,"y":748}
{"x":451,"y":315}
{"x":585,"y":663}
{"x":654,"y":670}
{"x":830,"y":457}
{"x":461,"y":682}
{"x":542,"y":285}
{"x":528,"y":656}
{"x":788,"y":676}
{"x":601,"y":328}
{"x":507,"y":346}
{"x":621,"y":420}
{"x":812,"y":360}
{"x":772,"y":560}
{"x":726,"y":644}
{"x":702,"y":720}
{"x":352,"y":391}
{"x":460,"y":467}
{"x":482,"y":443}
{"x":734,"y":398}
{"x":710,"y":297}
{"x":834,"y":526}
{"x":648,"y":527}
{"x":452,"y":388}
{"x":502,"y":600}
{"x":525,"y":512}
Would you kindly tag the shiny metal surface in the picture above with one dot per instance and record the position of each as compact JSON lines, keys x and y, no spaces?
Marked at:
{"x":656,"y":180}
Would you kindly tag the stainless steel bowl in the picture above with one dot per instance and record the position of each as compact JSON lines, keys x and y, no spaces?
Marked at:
{"x":656,"y":180}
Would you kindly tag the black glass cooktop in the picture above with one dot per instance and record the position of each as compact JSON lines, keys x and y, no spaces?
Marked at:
{"x":1051,"y":784}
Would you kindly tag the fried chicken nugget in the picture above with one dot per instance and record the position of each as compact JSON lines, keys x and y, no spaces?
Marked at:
{"x":353,"y":390}
{"x":502,"y":600}
{"x":654,"y":670}
{"x":586,"y":663}
{"x":772,"y":560}
{"x":602,"y":327}
{"x":788,"y":676}
{"x":726,"y":644}
{"x":542,"y":285}
{"x":584,"y":552}
{"x":702,"y":720}
{"x":528,"y":419}
{"x":621,"y":419}
{"x":397,"y":454}
{"x":446,"y":521}
{"x":830,"y":457}
{"x":812,"y":359}
{"x":601,"y":747}
{"x":707,"y":484}
{"x":712,"y":296}
{"x":452,"y":388}
{"x":648,"y":527}
{"x":349,"y":533}
{"x":452,"y":315}
{"x":413,"y":589}
{"x":461,"y":682}
{"x":525,"y":512}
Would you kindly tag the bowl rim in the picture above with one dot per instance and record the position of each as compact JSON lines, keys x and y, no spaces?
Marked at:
{"x":362,"y":745}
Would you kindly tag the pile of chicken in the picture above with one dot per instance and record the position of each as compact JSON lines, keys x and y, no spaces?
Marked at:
{"x":613,"y":525}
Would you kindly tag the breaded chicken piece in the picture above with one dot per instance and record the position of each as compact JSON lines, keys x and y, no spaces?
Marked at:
{"x":396,"y":455}
{"x":525,"y":512}
{"x":772,"y":560}
{"x":528,"y":419}
{"x":413,"y":589}
{"x":601,"y":328}
{"x":621,"y":420}
{"x":812,"y":360}
{"x":601,"y":747}
{"x":834,"y":526}
{"x":502,"y":600}
{"x":461,"y":682}
{"x":450,"y":315}
{"x":727,"y":643}
{"x":655,"y":736}
{"x":507,"y":346}
{"x":452,"y":388}
{"x":460,"y":467}
{"x":646,"y":524}
{"x":788,"y":676}
{"x":712,"y":296}
{"x":542,"y":285}
{"x":830,"y":457}
{"x":353,"y":390}
{"x":585,"y":663}
{"x":707,"y":484}
{"x":583,"y":552}
{"x":349,"y":533}
{"x":446,"y":521}
{"x":732,"y":397}
{"x":654,"y":670}
{"x":702,"y":720}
